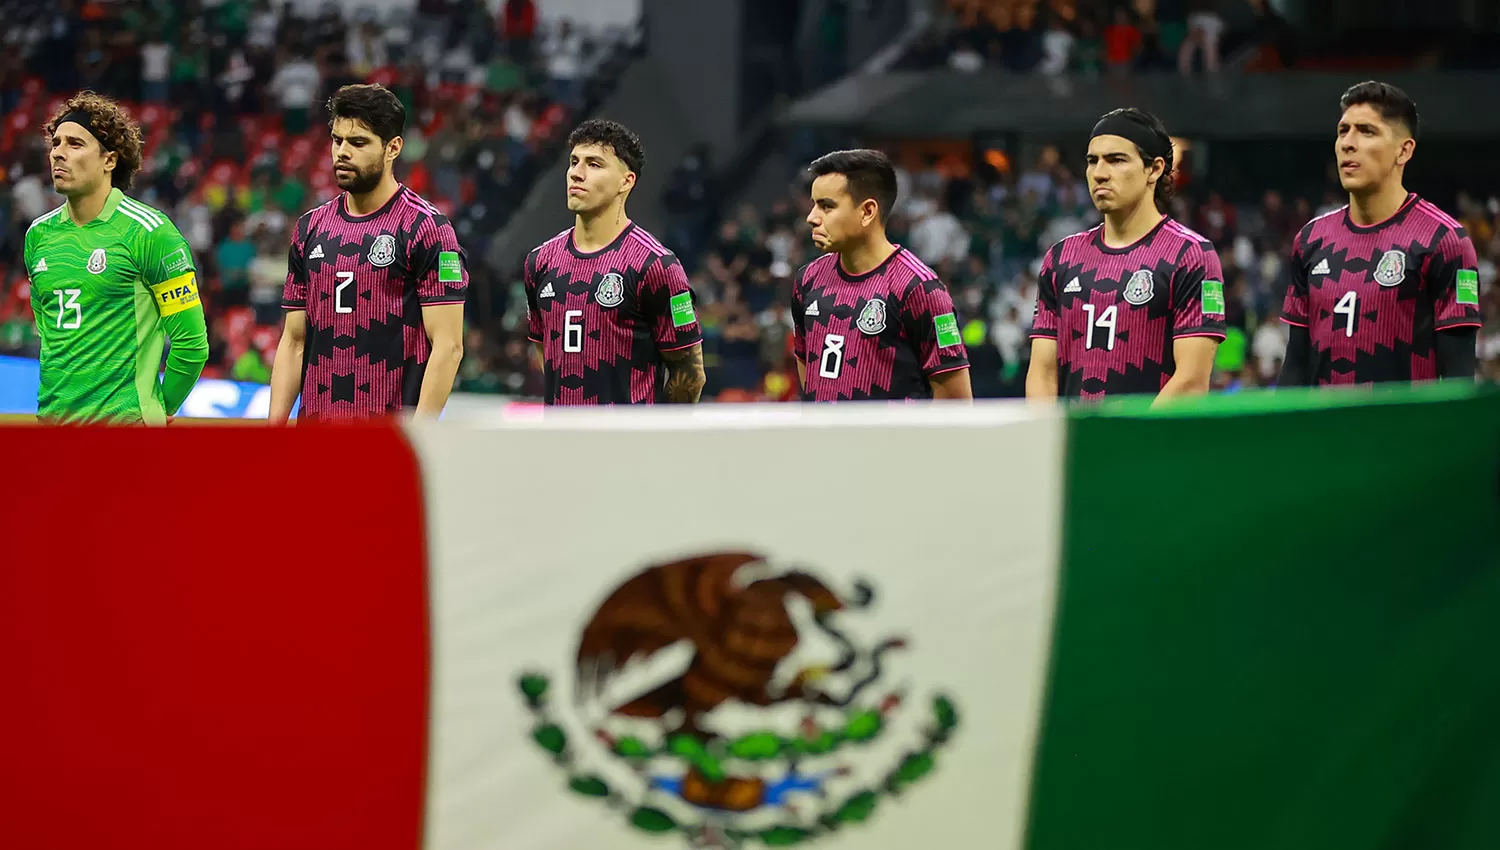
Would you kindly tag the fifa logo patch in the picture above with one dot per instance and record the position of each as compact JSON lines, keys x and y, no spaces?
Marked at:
{"x":383,"y":252}
{"x":1140,"y":287}
{"x":177,"y":294}
{"x":611,"y":291}
{"x":871,"y":319}
{"x":1391,"y":269}
{"x":97,"y":261}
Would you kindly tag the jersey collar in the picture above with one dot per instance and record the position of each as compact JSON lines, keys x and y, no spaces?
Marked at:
{"x":111,"y":204}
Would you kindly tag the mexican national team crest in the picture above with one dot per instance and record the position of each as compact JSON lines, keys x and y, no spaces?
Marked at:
{"x":1391,"y":269}
{"x":759,"y":740}
{"x":383,"y":251}
{"x":611,"y":290}
{"x":97,"y":261}
{"x":872,"y":318}
{"x":1140,"y":287}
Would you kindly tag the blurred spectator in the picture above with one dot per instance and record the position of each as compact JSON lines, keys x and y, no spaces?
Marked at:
{"x":518,"y":26}
{"x":1205,"y":28}
{"x":234,"y":257}
{"x":295,"y":87}
{"x":1122,"y":41}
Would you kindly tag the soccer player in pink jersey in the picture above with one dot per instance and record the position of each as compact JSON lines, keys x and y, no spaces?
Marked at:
{"x":607,"y":305}
{"x":375,"y":287}
{"x":1135,"y":304}
{"x":870,"y":320}
{"x":1385,"y":289}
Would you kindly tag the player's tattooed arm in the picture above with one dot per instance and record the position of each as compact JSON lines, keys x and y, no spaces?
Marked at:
{"x":685,"y":378}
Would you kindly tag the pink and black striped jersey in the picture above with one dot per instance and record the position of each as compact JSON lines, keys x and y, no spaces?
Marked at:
{"x":1116,"y":311}
{"x":363,"y":281}
{"x":878,"y":335}
{"x":1374,"y":298}
{"x":603,"y":318}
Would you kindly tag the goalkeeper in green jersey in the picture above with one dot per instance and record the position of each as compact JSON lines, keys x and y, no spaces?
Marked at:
{"x":111,"y":280}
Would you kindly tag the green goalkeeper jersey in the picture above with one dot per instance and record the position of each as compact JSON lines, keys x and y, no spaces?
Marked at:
{"x":107,"y":296}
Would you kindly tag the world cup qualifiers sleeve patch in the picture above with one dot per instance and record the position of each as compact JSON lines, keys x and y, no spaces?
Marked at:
{"x":1213,"y":298}
{"x":1467,"y":287}
{"x":946,"y":327}
{"x":176,"y":263}
{"x":177,"y":294}
{"x":682,"y":310}
{"x":450,"y":267}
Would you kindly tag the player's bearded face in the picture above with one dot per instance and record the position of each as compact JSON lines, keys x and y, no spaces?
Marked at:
{"x":1118,"y":178}
{"x":1368,"y":148}
{"x":77,"y":162}
{"x":359,"y":159}
{"x":835,"y":217}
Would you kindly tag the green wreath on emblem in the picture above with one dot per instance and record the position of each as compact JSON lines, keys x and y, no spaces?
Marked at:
{"x":704,"y":765}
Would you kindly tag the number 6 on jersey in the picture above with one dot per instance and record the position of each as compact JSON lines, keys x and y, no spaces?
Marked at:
{"x":572,"y":331}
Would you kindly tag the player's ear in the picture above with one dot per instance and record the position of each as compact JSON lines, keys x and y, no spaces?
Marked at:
{"x":393,"y":148}
{"x":628,"y":183}
{"x":869,"y":212}
{"x":1405,"y":151}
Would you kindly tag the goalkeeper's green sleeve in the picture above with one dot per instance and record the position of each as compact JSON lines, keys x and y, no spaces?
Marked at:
{"x":188,"y":333}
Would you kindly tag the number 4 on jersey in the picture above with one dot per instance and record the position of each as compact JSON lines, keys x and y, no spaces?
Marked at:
{"x":1348,"y":306}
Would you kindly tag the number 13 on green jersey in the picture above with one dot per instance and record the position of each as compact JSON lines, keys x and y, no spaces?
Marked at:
{"x":106,"y":296}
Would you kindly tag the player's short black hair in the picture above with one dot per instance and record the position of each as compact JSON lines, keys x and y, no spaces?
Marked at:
{"x":374,"y":104}
{"x":1153,"y":127}
{"x":869,"y":172}
{"x":1393,"y":104}
{"x":613,"y":135}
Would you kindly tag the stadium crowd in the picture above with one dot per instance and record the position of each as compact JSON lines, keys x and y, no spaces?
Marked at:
{"x":230,"y":98}
{"x":1092,"y":36}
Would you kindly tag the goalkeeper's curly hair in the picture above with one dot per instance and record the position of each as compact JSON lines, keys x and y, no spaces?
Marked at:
{"x":114,"y":128}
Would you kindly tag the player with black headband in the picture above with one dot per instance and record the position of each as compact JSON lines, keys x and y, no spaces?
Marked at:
{"x":1385,"y":289}
{"x":112,"y":280}
{"x":1136,"y":304}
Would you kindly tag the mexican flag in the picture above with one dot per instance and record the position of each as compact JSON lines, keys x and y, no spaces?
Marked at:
{"x":1255,"y":621}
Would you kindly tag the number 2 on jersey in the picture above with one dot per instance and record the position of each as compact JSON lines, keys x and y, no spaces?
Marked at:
{"x":67,"y":299}
{"x":1348,"y":305}
{"x":1106,"y":320}
{"x":345,"y":278}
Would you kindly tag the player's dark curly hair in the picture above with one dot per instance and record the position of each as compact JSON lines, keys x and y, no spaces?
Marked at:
{"x":374,"y":104}
{"x":1165,"y":185}
{"x":869,"y":172}
{"x":113,"y":127}
{"x":1393,"y":104}
{"x":613,"y":135}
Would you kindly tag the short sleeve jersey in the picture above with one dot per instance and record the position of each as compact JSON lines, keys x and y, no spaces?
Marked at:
{"x":1374,"y":298}
{"x":881,"y":335}
{"x":1115,"y":312}
{"x":604,"y":318}
{"x":363,"y":281}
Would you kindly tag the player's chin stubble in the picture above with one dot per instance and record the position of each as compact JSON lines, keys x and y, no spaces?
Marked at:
{"x":361,"y":183}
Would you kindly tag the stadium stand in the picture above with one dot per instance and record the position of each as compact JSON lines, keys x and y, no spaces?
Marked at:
{"x":230,"y":94}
